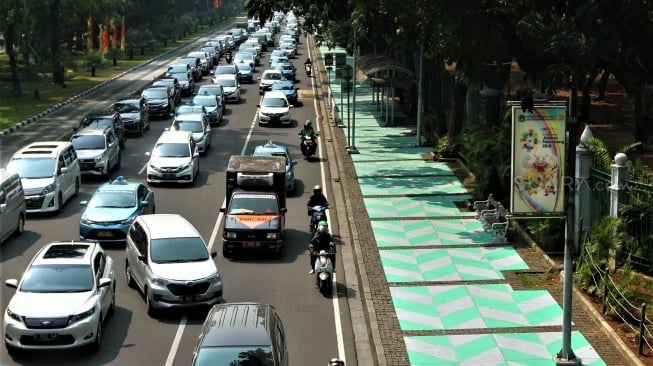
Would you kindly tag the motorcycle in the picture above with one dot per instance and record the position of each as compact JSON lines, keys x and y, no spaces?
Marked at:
{"x":308,"y":146}
{"x":324,"y":270}
{"x":308,"y":66}
{"x":318,"y":213}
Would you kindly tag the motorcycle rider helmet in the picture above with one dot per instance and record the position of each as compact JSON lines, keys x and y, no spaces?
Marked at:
{"x":322,"y":227}
{"x":308,"y":123}
{"x":317,"y":189}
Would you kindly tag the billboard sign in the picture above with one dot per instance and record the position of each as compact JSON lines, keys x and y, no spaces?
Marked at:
{"x":538,"y":160}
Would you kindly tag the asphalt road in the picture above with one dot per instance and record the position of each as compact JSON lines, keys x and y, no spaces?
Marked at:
{"x":317,"y":328}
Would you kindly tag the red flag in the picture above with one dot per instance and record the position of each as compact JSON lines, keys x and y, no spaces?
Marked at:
{"x":123,"y":33}
{"x":89,"y":37}
{"x":105,"y":37}
{"x":114,"y":34}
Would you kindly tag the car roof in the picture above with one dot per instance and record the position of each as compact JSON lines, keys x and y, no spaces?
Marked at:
{"x":118,"y":184}
{"x":91,"y":131}
{"x":226,"y":76}
{"x":237,"y":324}
{"x":189,"y":116}
{"x":272,"y":71}
{"x":168,"y":225}
{"x":174,"y":136}
{"x":274,"y":94}
{"x":270,"y":148}
{"x":65,"y":253}
{"x":42,"y":149}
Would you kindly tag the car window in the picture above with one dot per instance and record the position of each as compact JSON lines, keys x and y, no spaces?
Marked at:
{"x":142,"y":192}
{"x":244,"y":355}
{"x":191,"y":126}
{"x":88,"y":142}
{"x":138,"y":237}
{"x":171,"y":149}
{"x":58,"y":278}
{"x":112,"y":199}
{"x":127,"y":107}
{"x":274,"y":102}
{"x":98,"y":265}
{"x":32,"y":167}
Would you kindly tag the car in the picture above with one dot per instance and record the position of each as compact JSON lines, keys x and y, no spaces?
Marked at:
{"x":158,"y":100}
{"x":112,"y":208}
{"x":213,"y":56}
{"x":231,"y":86}
{"x":190,"y":108}
{"x":105,"y":118}
{"x":246,"y":48}
{"x":278,"y":53}
{"x":273,"y":149}
{"x":213,"y":106}
{"x":218,"y":49}
{"x":173,"y":84}
{"x":195,"y":66}
{"x":248,"y":57}
{"x":274,"y":109}
{"x":174,"y":159}
{"x":242,"y":333}
{"x":186,"y":84}
{"x":274,"y":61}
{"x":169,"y":262}
{"x":178,"y":69}
{"x":287,"y":87}
{"x":230,"y":69}
{"x":97,"y":149}
{"x":13,"y":210}
{"x":205,"y":62}
{"x":245,"y":71}
{"x":197,"y":124}
{"x":49,"y":172}
{"x":62,"y":300}
{"x":267,"y":78}
{"x":135,"y":114}
{"x":212,"y":89}
{"x":289,"y":49}
{"x":287,"y":70}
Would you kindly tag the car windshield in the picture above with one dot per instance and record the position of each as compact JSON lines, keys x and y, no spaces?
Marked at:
{"x":171,"y":250}
{"x":178,"y":68}
{"x":88,"y":142}
{"x":32,"y":167}
{"x":191,"y":126}
{"x":244,"y":67}
{"x":113,"y":199}
{"x":272,"y":76}
{"x":182,"y":76}
{"x":283,"y":86}
{"x":205,"y":101}
{"x":97,"y":122}
{"x":285,"y":67}
{"x":172,"y":150}
{"x":246,"y":204}
{"x":227,"y":82}
{"x":224,"y":70}
{"x":58,"y":278}
{"x":155,"y":94}
{"x":274,"y":102}
{"x":190,"y":109}
{"x":235,"y":356}
{"x":127,"y":107}
{"x":204,"y":90}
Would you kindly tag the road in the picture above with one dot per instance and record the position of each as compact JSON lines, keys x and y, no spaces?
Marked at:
{"x":312,"y":322}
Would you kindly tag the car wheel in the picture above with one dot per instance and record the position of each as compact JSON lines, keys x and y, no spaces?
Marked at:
{"x":151,"y":310}
{"x":11,"y":350}
{"x":226,"y":253}
{"x":141,"y":130}
{"x":128,"y":274}
{"x":112,"y":306}
{"x":77,"y":185}
{"x":119,"y":162}
{"x":20,"y":227}
{"x":59,"y":203}
{"x":97,"y":343}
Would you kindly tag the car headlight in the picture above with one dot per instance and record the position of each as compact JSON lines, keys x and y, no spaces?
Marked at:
{"x":77,"y":317}
{"x":14,"y":316}
{"x":185,"y":166}
{"x":272,"y":236}
{"x":215,"y":277}
{"x":231,"y":235}
{"x":99,"y":159}
{"x":159,"y":281}
{"x":87,"y":221}
{"x":49,"y":188}
{"x":128,"y":221}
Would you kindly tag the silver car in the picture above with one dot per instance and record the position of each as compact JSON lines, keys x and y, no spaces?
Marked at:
{"x":167,"y":259}
{"x":198,"y":125}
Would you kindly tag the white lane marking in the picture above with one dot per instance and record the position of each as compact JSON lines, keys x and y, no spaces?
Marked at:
{"x":214,"y":234}
{"x":334,"y":287}
{"x":175,"y":342}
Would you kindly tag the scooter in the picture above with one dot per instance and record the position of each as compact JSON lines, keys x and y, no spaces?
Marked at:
{"x":318,"y":213}
{"x":308,"y":146}
{"x":324,"y":271}
{"x":308,"y":66}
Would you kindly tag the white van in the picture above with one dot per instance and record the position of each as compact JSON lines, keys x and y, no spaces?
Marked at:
{"x":12,"y":205}
{"x":49,"y":172}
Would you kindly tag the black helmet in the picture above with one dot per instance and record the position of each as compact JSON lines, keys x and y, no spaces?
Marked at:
{"x":317,"y":189}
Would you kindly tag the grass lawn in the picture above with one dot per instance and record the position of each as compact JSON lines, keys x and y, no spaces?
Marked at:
{"x":13,"y":110}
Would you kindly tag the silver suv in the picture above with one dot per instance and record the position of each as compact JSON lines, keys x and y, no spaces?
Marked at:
{"x":98,"y":150}
{"x":167,"y":259}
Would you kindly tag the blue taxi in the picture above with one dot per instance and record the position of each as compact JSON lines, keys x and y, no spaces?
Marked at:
{"x":273,"y":149}
{"x":287,"y":87}
{"x":112,"y":209}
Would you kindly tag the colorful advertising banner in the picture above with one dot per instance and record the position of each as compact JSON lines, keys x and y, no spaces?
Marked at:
{"x":538,"y":160}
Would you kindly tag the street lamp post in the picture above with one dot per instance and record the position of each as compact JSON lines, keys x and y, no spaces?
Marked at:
{"x":352,"y":148}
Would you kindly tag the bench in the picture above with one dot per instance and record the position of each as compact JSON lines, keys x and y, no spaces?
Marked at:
{"x":495,"y":218}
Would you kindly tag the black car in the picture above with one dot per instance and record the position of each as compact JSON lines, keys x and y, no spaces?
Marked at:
{"x":173,"y":83}
{"x":159,"y":100}
{"x":105,"y":118}
{"x":135,"y":114}
{"x":195,"y":66}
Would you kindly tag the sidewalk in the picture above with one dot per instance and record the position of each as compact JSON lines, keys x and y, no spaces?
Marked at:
{"x":433,"y":288}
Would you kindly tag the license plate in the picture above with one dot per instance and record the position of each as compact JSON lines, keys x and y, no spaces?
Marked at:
{"x":168,"y":176}
{"x":105,"y":234}
{"x":194,"y":298}
{"x":251,"y":244}
{"x":46,"y":336}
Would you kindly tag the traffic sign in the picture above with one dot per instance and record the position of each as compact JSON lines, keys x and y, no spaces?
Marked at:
{"x":341,"y":59}
{"x":328,"y":59}
{"x":347,"y":72}
{"x":346,"y":85}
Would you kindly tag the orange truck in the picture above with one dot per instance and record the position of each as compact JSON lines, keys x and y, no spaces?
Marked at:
{"x":255,"y":212}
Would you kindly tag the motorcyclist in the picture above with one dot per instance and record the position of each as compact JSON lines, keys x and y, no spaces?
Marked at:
{"x":316,"y":199}
{"x":306,"y":131}
{"x":228,"y":57}
{"x":322,"y":240}
{"x":308,"y":65}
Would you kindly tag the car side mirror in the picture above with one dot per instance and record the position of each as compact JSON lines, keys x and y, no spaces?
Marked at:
{"x":294,"y":162}
{"x":144,"y":203}
{"x":104,"y":282}
{"x":83,"y":203}
{"x":13,"y":283}
{"x":283,"y":210}
{"x":223,"y":209}
{"x":142,"y":258}
{"x":214,"y":254}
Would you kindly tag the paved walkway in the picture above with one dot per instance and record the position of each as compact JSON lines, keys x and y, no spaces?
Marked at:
{"x":432,"y":280}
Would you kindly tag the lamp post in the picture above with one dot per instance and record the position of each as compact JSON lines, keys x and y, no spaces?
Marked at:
{"x":352,"y":148}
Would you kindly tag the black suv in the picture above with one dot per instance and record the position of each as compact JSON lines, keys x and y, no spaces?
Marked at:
{"x":173,"y":83}
{"x":106,"y":118}
{"x":159,"y":100}
{"x":135,"y":114}
{"x":195,"y":66}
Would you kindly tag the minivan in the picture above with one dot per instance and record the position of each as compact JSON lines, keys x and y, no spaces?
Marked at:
{"x":13,"y":210}
{"x":242,"y":333}
{"x":49,"y":172}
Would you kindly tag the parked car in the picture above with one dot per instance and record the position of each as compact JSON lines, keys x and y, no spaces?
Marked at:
{"x":268,"y":77}
{"x":112,"y":208}
{"x":167,"y":259}
{"x":198,"y":125}
{"x":174,"y":159}
{"x":242,"y":333}
{"x":231,"y":86}
{"x":62,"y":299}
{"x":159,"y":101}
{"x":274,"y":109}
{"x":213,"y":106}
{"x":288,"y":88}
{"x":135,"y":114}
{"x":103,"y":119}
{"x":273,"y":149}
{"x":13,"y":210}
{"x":173,"y":84}
{"x":49,"y":172}
{"x":98,"y":150}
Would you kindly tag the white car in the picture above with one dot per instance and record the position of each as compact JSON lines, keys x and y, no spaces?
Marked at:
{"x":174,"y":159}
{"x":274,"y":109}
{"x":267,"y":79}
{"x":167,"y":259}
{"x":197,"y":124}
{"x":62,"y":299}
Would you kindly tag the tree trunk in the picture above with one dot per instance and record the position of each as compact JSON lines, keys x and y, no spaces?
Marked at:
{"x":586,"y":100}
{"x":457,"y":120}
{"x":603,"y":84}
{"x":10,"y":37}
{"x":55,"y":52}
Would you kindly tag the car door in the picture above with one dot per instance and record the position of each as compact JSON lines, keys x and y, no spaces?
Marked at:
{"x":139,"y":248}
{"x":207,"y":130}
{"x":146,"y":195}
{"x":7,"y":219}
{"x":113,"y":150}
{"x":63,"y":177}
{"x":103,"y":293}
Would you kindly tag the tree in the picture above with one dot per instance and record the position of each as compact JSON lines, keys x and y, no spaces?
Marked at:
{"x":9,"y":28}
